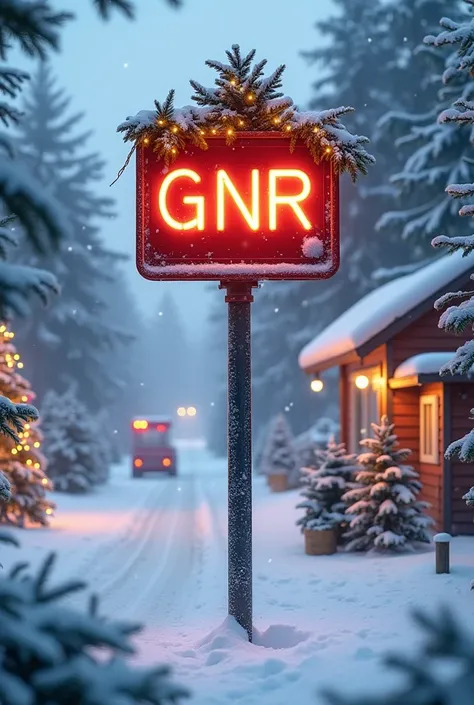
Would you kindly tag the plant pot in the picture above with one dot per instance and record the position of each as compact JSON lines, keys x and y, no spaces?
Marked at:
{"x":278,"y":483}
{"x":320,"y":543}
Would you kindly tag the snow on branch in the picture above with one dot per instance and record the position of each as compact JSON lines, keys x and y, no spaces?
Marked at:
{"x":18,"y":282}
{"x":243,"y":100}
{"x":42,"y":218}
{"x":13,"y":416}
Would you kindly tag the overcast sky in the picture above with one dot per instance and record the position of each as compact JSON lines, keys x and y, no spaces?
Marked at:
{"x":116,"y":69}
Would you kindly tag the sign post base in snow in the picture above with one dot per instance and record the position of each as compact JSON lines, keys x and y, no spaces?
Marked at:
{"x":239,"y":399}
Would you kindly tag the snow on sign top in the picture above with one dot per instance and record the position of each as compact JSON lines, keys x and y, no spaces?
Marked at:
{"x":382,"y":307}
{"x":253,"y":210}
{"x":241,"y":185}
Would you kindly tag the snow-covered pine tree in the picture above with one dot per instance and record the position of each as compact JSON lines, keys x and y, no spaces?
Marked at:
{"x":439,"y":672}
{"x":21,"y":460}
{"x":354,"y":65}
{"x":74,"y":448}
{"x":70,"y":340}
{"x":279,"y":457}
{"x":35,"y":29}
{"x":434,"y":153}
{"x":386,"y":514}
{"x":457,"y":121}
{"x":51,"y":654}
{"x":324,"y":486}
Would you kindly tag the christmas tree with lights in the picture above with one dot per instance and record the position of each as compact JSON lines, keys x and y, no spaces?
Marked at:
{"x":21,"y":460}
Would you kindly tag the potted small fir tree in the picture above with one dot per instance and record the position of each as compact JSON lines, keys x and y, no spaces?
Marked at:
{"x":325,"y":484}
{"x":279,"y":459}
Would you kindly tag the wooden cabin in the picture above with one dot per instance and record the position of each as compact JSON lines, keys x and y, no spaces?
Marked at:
{"x":389,"y":350}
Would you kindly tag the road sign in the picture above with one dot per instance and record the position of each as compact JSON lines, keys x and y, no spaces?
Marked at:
{"x":252,"y":210}
{"x":238,"y":214}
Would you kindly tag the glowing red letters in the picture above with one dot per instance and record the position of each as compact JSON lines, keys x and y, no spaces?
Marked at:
{"x":200,"y":216}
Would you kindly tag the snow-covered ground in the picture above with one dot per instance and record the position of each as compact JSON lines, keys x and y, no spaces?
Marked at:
{"x":155,"y":549}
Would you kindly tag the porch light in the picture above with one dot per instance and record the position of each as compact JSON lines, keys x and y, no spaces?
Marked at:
{"x":317,"y":384}
{"x":361,"y":381}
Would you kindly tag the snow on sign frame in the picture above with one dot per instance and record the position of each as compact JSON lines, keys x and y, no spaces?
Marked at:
{"x":250,"y":210}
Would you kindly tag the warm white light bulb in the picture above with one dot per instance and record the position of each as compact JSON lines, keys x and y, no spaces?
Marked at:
{"x":317,"y":385}
{"x":361,"y":382}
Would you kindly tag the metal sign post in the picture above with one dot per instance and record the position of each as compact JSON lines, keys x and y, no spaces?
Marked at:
{"x":239,"y":399}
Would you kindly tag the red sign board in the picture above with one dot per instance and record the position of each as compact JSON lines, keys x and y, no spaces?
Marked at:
{"x":252,"y":210}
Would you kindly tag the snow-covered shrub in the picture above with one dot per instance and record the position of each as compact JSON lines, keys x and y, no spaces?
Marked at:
{"x":386,"y":514}
{"x":439,"y":673}
{"x":49,"y":653}
{"x":77,"y":457}
{"x":324,"y":486}
{"x":278,"y":457}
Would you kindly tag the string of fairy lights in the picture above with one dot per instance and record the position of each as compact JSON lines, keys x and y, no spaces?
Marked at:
{"x":27,"y":442}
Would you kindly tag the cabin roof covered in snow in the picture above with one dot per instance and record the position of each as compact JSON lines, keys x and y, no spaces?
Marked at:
{"x":384,"y":310}
{"x":423,"y":364}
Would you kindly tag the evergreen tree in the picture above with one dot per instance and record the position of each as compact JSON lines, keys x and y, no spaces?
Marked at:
{"x":359,"y":63}
{"x":34,"y":28}
{"x":458,"y":121}
{"x":279,"y":456}
{"x":439,"y":673}
{"x":21,"y":460}
{"x":78,"y":459}
{"x":435,"y":153}
{"x":386,"y":514}
{"x":69,"y":340}
{"x":51,"y":654}
{"x":324,"y":486}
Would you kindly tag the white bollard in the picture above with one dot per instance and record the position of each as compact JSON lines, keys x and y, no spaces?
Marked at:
{"x":442,"y":542}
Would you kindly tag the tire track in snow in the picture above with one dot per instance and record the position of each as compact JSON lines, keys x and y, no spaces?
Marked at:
{"x":108,"y":558}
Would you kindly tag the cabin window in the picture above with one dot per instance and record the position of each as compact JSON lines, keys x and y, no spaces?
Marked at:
{"x":365,"y":405}
{"x":429,"y":429}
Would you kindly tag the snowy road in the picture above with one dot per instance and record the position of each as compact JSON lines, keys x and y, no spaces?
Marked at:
{"x":142,"y":544}
{"x":154,"y":550}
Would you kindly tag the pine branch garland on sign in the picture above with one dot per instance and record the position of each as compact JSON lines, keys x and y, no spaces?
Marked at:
{"x":243,"y":100}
